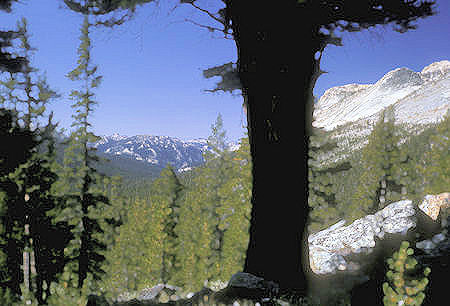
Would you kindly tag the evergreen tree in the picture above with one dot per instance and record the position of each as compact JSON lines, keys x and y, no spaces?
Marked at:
{"x":436,"y":167}
{"x":203,"y":206}
{"x":128,"y":268}
{"x":273,"y":71}
{"x":166,"y":195}
{"x":29,"y":93}
{"x":405,"y":286}
{"x":234,"y":212}
{"x":21,"y":146}
{"x":9,"y":62}
{"x":195,"y":235}
{"x":217,"y":173}
{"x":149,"y":231}
{"x":384,"y":169}
{"x":84,"y":201}
{"x":322,"y":198}
{"x":43,"y":259}
{"x":115,"y":215}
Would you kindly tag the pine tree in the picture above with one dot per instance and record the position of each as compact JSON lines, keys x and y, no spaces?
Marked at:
{"x":404,"y":286}
{"x":21,"y":145}
{"x":115,"y":215}
{"x":436,"y":168}
{"x":28,"y":92}
{"x":85,"y":203}
{"x":194,"y":232}
{"x":36,"y":178}
{"x":166,"y":197}
{"x":384,"y":169}
{"x":217,"y":173}
{"x":144,"y":253}
{"x":127,"y":268}
{"x":234,"y":212}
{"x":201,"y":250}
{"x":322,"y":197}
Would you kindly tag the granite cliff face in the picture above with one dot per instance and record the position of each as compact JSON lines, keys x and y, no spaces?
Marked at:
{"x":353,"y":258}
{"x":418,"y":97}
{"x":329,"y":248}
{"x":350,"y":112}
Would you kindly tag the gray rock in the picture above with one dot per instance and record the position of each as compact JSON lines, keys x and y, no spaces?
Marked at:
{"x":328,"y":248}
{"x":242,"y":281}
{"x":353,"y":258}
{"x":161,"y":293}
{"x":425,"y":245}
{"x":438,"y":238}
{"x":150,"y":293}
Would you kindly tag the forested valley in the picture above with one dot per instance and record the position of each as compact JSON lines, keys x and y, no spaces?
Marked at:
{"x":68,"y":230}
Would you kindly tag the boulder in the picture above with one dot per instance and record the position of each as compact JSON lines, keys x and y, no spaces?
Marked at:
{"x":433,"y":204}
{"x":248,"y":285}
{"x":161,"y":293}
{"x":352,"y":258}
{"x":329,"y":248}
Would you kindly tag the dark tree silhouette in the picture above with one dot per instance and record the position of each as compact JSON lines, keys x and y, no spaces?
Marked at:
{"x":279,"y":46}
{"x":7,"y":61}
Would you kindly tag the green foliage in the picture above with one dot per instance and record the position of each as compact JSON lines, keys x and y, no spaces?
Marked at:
{"x":194,"y":234}
{"x":28,"y":92}
{"x":6,"y":297}
{"x":194,"y":247}
{"x":234,"y":209}
{"x":383,"y":164}
{"x":127,"y":267}
{"x":63,"y":293}
{"x":217,"y":201}
{"x":404,"y":284}
{"x":25,"y":180}
{"x":150,"y":222}
{"x":80,"y":184}
{"x":436,"y":167}
{"x":322,"y":195}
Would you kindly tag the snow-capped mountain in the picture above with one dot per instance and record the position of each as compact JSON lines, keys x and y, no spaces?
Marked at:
{"x":350,"y":111}
{"x":418,"y":98}
{"x":157,"y":150}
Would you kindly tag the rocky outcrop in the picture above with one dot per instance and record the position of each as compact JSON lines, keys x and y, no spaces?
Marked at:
{"x":418,"y":98}
{"x":330,"y":249}
{"x":432,"y":204}
{"x":352,"y":258}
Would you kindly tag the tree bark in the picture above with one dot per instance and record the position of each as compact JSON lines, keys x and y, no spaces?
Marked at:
{"x":277,"y":66}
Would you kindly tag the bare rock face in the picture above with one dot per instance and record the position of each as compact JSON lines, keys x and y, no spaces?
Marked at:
{"x":432,"y":204}
{"x":352,"y":258}
{"x":328,"y":248}
{"x":417,"y":97}
{"x":435,"y":71}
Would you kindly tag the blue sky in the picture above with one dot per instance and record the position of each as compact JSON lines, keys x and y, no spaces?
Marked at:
{"x":152,"y":66}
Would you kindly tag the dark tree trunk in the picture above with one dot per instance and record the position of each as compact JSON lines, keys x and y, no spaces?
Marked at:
{"x":276,"y":67}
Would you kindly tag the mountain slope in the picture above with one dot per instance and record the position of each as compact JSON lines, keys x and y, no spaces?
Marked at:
{"x":419,"y":97}
{"x":154,"y":151}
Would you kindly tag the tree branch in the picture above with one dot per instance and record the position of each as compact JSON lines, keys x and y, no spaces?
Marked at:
{"x":209,"y":28}
{"x":207,"y":12}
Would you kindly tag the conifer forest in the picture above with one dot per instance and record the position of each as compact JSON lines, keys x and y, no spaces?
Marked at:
{"x":69,"y":230}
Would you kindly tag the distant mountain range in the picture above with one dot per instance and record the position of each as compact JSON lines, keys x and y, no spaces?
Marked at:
{"x":349,"y":111}
{"x":155,"y":151}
